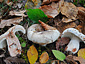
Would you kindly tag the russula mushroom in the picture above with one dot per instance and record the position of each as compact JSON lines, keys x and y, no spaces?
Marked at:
{"x":36,"y":34}
{"x":13,"y":43}
{"x":75,"y":36}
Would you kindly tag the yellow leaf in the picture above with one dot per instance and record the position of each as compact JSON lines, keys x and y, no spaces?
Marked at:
{"x":44,"y":57}
{"x":32,"y":54}
{"x":81,"y":53}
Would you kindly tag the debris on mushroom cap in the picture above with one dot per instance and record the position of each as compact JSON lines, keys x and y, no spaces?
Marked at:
{"x":37,"y":35}
{"x":76,"y":37}
{"x":13,"y":43}
{"x":68,"y":33}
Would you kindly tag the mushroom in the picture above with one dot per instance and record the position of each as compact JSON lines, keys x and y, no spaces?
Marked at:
{"x":76,"y":37}
{"x":36,"y":34}
{"x":13,"y":43}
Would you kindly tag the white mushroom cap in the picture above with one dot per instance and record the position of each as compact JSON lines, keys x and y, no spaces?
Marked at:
{"x":37,"y":35}
{"x":68,"y":33}
{"x":13,"y":43}
{"x":75,"y":36}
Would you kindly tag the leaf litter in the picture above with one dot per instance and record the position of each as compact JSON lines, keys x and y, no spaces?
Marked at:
{"x":61,"y":14}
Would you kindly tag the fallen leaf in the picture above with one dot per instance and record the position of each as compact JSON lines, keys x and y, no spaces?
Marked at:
{"x":64,"y":26}
{"x":83,"y":27}
{"x":81,"y":13}
{"x":80,"y":59}
{"x":81,"y":53}
{"x":67,"y":20}
{"x":36,"y":63}
{"x":54,"y":0}
{"x":45,"y":2}
{"x":8,"y":22}
{"x":36,"y":14}
{"x":59,"y":55}
{"x":2,"y":53}
{"x":70,"y":59}
{"x":32,"y":54}
{"x":51,"y":10}
{"x":1,"y":0}
{"x":32,"y":4}
{"x":69,"y":10}
{"x":44,"y":57}
{"x":48,"y":1}
{"x":79,"y":28}
{"x":61,"y":42}
{"x":18,"y":13}
{"x":14,"y":60}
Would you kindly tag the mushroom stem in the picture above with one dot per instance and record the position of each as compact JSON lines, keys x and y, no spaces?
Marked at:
{"x":73,"y":45}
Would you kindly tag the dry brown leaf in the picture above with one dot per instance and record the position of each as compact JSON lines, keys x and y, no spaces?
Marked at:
{"x":70,"y":59}
{"x":69,"y":10}
{"x":51,"y":10}
{"x":79,"y":28}
{"x":14,"y":60}
{"x":45,"y":2}
{"x":80,"y":59}
{"x":48,"y":1}
{"x":8,"y":22}
{"x":81,"y":13}
{"x":81,"y":53}
{"x":83,"y":27}
{"x":62,"y":41}
{"x":18,"y":13}
{"x":66,"y":20}
{"x":63,"y":26}
{"x":1,"y":0}
{"x":32,"y":54}
{"x":44,"y":57}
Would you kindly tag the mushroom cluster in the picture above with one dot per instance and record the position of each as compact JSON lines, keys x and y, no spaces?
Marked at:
{"x":37,"y":34}
{"x":76,"y":38}
{"x":13,"y":43}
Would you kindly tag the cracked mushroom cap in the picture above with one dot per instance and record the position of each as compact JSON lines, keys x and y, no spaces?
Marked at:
{"x":13,"y":43}
{"x":70,"y":32}
{"x":36,"y":34}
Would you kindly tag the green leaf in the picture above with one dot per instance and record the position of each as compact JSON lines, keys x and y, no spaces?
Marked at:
{"x":23,"y":44}
{"x":59,"y":55}
{"x":36,"y":14}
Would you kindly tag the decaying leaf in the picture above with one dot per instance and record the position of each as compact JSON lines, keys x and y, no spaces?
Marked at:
{"x":18,"y":13}
{"x":32,"y":4}
{"x":32,"y":54}
{"x":81,"y":13}
{"x":80,"y":59}
{"x":51,"y":10}
{"x":44,"y":57}
{"x":79,"y":28}
{"x":81,"y":53}
{"x":14,"y":60}
{"x":36,"y":63}
{"x":8,"y":22}
{"x":83,"y":27}
{"x":62,"y":41}
{"x":69,"y":10}
{"x":2,"y":53}
{"x":1,"y":0}
{"x":48,"y":1}
{"x":67,"y":20}
{"x":64,"y":26}
{"x":70,"y":59}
